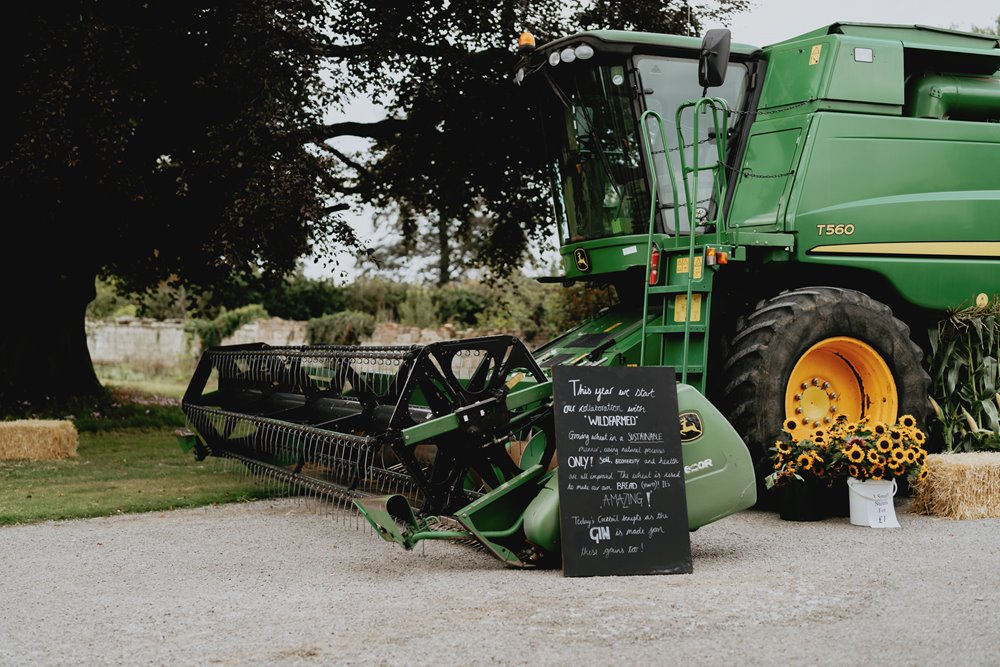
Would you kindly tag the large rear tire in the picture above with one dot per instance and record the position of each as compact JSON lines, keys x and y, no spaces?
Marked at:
{"x":812,"y":354}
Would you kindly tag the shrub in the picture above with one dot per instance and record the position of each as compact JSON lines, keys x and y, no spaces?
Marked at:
{"x":965,"y":379}
{"x":212,"y":332}
{"x":344,"y":328}
{"x":169,"y":300}
{"x":109,"y":302}
{"x":301,"y":298}
{"x":417,"y":309}
{"x":534,"y":311}
{"x":376,"y":296}
{"x":461,"y":304}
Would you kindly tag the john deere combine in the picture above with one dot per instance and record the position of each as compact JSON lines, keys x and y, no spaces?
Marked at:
{"x":776,"y":242}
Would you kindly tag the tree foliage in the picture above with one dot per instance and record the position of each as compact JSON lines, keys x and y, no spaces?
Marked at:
{"x":149,"y":140}
{"x":988,"y":30}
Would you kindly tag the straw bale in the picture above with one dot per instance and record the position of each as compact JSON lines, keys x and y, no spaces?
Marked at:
{"x":37,"y":439}
{"x":960,"y":486}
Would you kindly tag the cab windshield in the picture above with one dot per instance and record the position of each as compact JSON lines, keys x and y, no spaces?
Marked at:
{"x":602,"y":190}
{"x":601,"y":187}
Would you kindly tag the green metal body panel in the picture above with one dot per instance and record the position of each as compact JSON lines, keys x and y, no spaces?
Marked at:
{"x":919,"y":198}
{"x":541,"y":518}
{"x":767,"y":173}
{"x":826,"y":68}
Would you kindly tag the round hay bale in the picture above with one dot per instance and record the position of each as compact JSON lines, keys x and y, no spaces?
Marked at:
{"x":37,"y":440}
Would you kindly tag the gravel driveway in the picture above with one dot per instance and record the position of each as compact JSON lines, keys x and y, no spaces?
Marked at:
{"x":276,"y":583}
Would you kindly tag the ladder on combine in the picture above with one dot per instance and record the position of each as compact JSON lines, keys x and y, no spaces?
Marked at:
{"x":678,"y":286}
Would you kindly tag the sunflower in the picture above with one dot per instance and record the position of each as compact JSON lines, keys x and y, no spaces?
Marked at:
{"x":855,"y":454}
{"x":779,"y":463}
{"x":895,"y":434}
{"x":852,"y":470}
{"x":911,"y":456}
{"x":880,"y":429}
{"x":783,"y":448}
{"x":850,"y":428}
{"x":877,"y":472}
{"x":921,"y":456}
{"x":923,"y":474}
{"x":883,"y":444}
{"x":918,"y":436}
{"x":791,"y":425}
{"x":872,"y":456}
{"x":898,"y":455}
{"x":805,"y":461}
{"x":908,"y":421}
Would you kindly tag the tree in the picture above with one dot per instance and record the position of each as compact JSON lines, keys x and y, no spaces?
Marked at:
{"x":988,"y":30}
{"x":145,"y":140}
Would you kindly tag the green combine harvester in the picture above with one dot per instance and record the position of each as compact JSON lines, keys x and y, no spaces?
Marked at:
{"x":775,"y":222}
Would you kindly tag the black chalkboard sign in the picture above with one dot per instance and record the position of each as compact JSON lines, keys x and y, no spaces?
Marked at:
{"x":621,"y":479}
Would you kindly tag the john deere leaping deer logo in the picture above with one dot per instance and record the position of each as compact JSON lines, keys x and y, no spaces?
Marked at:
{"x":582,"y":261}
{"x":690,"y":426}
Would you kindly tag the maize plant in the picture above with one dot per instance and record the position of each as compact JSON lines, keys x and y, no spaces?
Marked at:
{"x":965,"y":374}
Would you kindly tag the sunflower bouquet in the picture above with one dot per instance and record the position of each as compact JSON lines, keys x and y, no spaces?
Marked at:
{"x":862,"y":449}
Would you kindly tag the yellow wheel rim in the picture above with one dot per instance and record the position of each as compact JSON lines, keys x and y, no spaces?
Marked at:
{"x":840,"y":376}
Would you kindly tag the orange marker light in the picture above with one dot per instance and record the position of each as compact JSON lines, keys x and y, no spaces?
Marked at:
{"x":526,"y":42}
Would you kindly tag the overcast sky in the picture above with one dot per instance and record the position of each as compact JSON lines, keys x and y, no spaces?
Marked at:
{"x":769,"y":21}
{"x":772,"y":21}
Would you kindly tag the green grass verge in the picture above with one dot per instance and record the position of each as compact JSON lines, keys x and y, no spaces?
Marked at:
{"x":117,"y":472}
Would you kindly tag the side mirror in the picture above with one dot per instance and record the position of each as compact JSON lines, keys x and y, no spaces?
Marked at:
{"x":714,"y":58}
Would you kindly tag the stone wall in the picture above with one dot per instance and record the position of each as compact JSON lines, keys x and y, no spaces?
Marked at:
{"x":162,"y":343}
{"x":139,"y":342}
{"x":273,"y":331}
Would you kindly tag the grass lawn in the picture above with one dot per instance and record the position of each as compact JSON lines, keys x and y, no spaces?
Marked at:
{"x":116,"y":472}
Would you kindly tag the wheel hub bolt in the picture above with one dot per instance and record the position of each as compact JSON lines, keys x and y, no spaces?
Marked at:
{"x":833,"y":396}
{"x":826,"y":420}
{"x":798,"y":397}
{"x":815,"y":382}
{"x":798,"y":411}
{"x":804,"y":385}
{"x":825,"y":385}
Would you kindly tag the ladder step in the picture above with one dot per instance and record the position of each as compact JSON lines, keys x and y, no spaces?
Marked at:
{"x":674,"y":328}
{"x":677,"y":289}
{"x":691,"y":369}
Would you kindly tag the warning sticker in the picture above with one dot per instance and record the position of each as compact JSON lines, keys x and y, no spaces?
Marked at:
{"x":680,"y":307}
{"x":684,"y":265}
{"x":814,"y":54}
